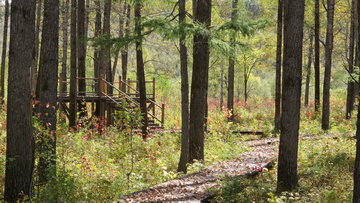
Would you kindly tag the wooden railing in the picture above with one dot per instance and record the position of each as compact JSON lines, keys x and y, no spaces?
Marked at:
{"x":127,"y":83}
{"x":101,"y":92}
{"x":92,"y":82}
{"x":103,"y":88}
{"x":90,"y":87}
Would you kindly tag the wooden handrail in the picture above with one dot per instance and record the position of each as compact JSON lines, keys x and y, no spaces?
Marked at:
{"x":136,"y":103}
{"x":113,"y":100}
{"x":102,"y":92}
{"x":106,"y":82}
{"x":136,"y":81}
{"x":153,"y":88}
{"x":163,"y":114}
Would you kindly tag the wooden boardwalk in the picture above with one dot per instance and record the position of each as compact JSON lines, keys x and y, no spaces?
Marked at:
{"x":122,"y":97}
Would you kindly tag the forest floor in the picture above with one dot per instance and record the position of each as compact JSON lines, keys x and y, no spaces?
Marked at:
{"x":196,"y":186}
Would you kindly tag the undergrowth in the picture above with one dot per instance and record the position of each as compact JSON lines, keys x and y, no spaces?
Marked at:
{"x":101,"y":164}
{"x":101,"y":167}
{"x":325,"y":169}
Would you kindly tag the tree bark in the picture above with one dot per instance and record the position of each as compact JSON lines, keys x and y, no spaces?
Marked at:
{"x":231,"y":71}
{"x":140,"y":71}
{"x":221,"y":85}
{"x":328,"y":54}
{"x":124,"y":52}
{"x":198,"y":86}
{"x":3,"y":54}
{"x":97,"y":52}
{"x":230,"y":99}
{"x":87,"y":12}
{"x":35,"y":60}
{"x":65,"y":25}
{"x":194,"y":7}
{"x":356,"y":192}
{"x":20,"y":141}
{"x":350,"y":99}
{"x":107,"y":54}
{"x":184,"y":157}
{"x":278,"y":66}
{"x":122,"y":18}
{"x":46,"y":88}
{"x":291,"y":95}
{"x":246,"y":79}
{"x":73,"y":45}
{"x":317,"y":57}
{"x":81,"y":54}
{"x":308,"y":71}
{"x":107,"y":58}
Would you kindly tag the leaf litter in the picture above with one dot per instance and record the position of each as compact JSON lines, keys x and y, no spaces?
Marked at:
{"x":195,"y":186}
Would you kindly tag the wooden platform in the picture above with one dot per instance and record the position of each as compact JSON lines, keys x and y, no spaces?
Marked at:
{"x":122,"y":93}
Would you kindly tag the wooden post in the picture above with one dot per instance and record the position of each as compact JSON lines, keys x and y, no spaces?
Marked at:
{"x":102,"y":106}
{"x":163,"y":115}
{"x":154,"y":96}
{"x":128,"y":82}
{"x":60,"y":85}
{"x":154,"y":108}
{"x":92,"y":107}
{"x":108,"y":116}
{"x":154,"y":89}
{"x":60,"y":95}
{"x":77,"y":90}
{"x":120,"y":84}
{"x":101,"y":85}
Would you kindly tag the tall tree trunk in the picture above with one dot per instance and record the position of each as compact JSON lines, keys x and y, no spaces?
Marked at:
{"x":221,"y":85}
{"x":206,"y":93}
{"x":73,"y":45}
{"x":97,"y":52}
{"x":46,"y":88}
{"x":81,"y":54}
{"x":107,"y":56}
{"x":246,"y":79}
{"x":231,"y":72}
{"x":36,"y":50}
{"x":308,"y":71}
{"x":230,"y":99}
{"x":87,"y":12}
{"x":20,"y":140}
{"x":3,"y":54}
{"x":356,"y":193}
{"x":140,"y":71}
{"x":87,"y":17}
{"x":328,"y":54}
{"x":317,"y":57}
{"x":247,"y":72}
{"x":194,"y":7}
{"x":65,"y":25}
{"x":122,"y":16}
{"x":350,"y":90}
{"x":184,"y":157}
{"x":278,"y":66}
{"x":357,"y":58}
{"x":291,"y":95}
{"x":124,"y":52}
{"x":198,"y":86}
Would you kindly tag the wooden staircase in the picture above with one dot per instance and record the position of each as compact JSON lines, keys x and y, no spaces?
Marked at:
{"x":117,"y":101}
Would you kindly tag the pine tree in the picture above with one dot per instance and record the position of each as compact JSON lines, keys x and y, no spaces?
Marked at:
{"x":20,"y":141}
